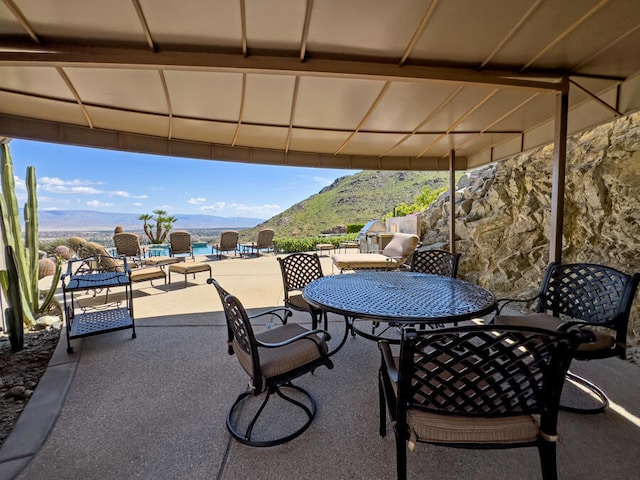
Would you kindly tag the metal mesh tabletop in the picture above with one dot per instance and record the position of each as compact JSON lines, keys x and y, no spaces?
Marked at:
{"x":400,"y":296}
{"x":97,"y":280}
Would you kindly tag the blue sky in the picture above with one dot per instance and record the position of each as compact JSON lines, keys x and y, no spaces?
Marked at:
{"x":78,"y":178}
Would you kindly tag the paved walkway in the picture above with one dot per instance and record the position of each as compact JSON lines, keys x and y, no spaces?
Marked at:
{"x":155,"y":407}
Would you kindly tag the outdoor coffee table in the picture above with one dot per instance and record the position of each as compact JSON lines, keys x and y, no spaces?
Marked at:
{"x":398,"y":299}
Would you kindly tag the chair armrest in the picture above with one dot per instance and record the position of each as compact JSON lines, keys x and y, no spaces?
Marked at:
{"x":387,"y":360}
{"x":512,"y":300}
{"x":286,"y":313}
{"x":325,"y":336}
{"x":578,"y":330}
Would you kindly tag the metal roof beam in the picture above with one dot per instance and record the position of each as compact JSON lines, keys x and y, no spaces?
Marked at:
{"x":66,"y":55}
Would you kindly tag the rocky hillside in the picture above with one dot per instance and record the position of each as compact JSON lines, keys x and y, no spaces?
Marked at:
{"x":503,"y":210}
{"x":352,"y":199}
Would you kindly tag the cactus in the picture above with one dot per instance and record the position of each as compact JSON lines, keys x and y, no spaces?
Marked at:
{"x":25,"y":251}
{"x":13,"y":313}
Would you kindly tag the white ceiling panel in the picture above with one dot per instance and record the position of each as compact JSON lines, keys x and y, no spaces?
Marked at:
{"x":43,"y":81}
{"x":118,"y":88}
{"x":269,"y":99}
{"x":334,"y":103}
{"x":275,"y":28}
{"x":262,"y":137}
{"x":154,"y":125}
{"x":210,"y":23}
{"x":319,"y":141}
{"x":215,"y":96}
{"x":203,"y":131}
{"x":71,"y":19}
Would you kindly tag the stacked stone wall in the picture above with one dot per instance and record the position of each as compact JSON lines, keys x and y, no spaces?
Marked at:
{"x":503,"y":213}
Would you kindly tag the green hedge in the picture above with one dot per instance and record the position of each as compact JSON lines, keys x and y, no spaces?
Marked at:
{"x":308,"y":244}
{"x":354,"y":227}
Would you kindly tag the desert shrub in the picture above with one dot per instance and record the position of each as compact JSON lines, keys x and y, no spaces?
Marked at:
{"x":308,"y":244}
{"x":50,"y":246}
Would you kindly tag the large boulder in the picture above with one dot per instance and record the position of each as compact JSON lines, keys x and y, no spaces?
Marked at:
{"x":503,"y":212}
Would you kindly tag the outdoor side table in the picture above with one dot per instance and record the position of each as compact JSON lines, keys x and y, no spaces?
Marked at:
{"x":109,"y":316}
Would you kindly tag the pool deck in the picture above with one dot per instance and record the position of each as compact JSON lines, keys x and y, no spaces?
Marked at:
{"x":154,"y":407}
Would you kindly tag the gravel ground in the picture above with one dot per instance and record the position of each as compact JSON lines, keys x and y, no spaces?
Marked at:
{"x":20,"y":373}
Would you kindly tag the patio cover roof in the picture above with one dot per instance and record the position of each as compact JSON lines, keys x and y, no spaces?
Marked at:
{"x":358,"y":84}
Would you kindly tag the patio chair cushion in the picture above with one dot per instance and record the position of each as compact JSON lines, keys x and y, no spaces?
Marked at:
{"x":401,"y":246}
{"x":603,"y":340}
{"x":431,"y":427}
{"x":276,"y":361}
{"x":350,"y":261}
{"x":146,"y":274}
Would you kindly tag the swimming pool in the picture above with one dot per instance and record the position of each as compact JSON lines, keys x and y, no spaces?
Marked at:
{"x":163,"y":250}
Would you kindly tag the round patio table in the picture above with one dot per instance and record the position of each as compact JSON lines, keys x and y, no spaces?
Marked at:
{"x":399,"y":298}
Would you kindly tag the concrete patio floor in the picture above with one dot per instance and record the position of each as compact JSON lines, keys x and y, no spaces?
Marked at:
{"x":154,"y":407}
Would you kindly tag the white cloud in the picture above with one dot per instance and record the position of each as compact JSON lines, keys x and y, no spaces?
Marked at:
{"x":214,"y":207}
{"x":197,"y":201}
{"x":137,"y":204}
{"x":125,"y":194}
{"x":324,"y":181}
{"x":265,"y":210}
{"x":57,"y":185}
{"x":98,"y":204}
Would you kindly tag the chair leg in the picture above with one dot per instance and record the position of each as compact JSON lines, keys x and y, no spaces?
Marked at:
{"x":383,"y":407}
{"x":248,"y":437}
{"x":401,"y":457}
{"x":594,"y":390}
{"x":547,"y":451}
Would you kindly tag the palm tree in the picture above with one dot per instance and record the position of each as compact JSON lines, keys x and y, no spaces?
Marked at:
{"x":162,"y":225}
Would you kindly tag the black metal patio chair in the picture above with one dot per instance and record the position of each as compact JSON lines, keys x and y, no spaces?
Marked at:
{"x":478,"y":386}
{"x":586,"y":296}
{"x":298,"y":270}
{"x":272,"y":359}
{"x":437,"y":262}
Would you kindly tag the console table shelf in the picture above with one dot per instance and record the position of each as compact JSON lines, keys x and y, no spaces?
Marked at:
{"x":108,"y":316}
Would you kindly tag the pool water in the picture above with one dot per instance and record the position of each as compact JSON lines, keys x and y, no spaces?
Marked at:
{"x":163,"y":250}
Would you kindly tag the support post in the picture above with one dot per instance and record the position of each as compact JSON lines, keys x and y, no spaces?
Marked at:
{"x":558,"y":177}
{"x":452,"y":201}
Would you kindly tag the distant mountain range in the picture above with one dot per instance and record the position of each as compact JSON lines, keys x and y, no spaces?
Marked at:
{"x":67,"y":220}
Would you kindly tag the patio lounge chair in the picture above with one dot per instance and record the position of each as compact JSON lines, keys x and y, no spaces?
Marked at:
{"x":128,"y":244}
{"x":180,"y":243}
{"x":228,"y":243}
{"x":586,"y":296}
{"x":477,"y":386}
{"x":394,"y":255}
{"x":99,"y":259}
{"x":263,"y":242}
{"x":271,"y":359}
{"x":298,"y":270}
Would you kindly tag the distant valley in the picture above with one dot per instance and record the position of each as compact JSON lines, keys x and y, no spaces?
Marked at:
{"x":88,"y":220}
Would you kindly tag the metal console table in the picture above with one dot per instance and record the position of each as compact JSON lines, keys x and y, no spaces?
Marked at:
{"x":84,"y":321}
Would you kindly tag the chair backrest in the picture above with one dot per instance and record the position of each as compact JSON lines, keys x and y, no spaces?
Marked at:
{"x":298,"y":270}
{"x":76,"y":244}
{"x":437,"y":262}
{"x":241,"y":339}
{"x":265,"y":238}
{"x":228,"y":240}
{"x":180,"y":242}
{"x":401,"y":246}
{"x":104,"y":261}
{"x":484,"y":371}
{"x":592,"y":293}
{"x":127,"y":244}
